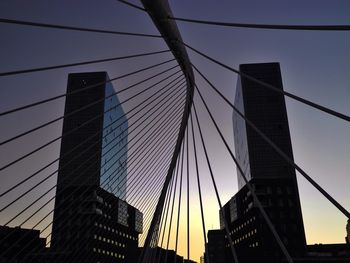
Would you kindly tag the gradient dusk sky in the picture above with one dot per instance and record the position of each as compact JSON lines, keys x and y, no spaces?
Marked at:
{"x":315,"y":65}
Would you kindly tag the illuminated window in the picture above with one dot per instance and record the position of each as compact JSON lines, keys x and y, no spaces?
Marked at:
{"x":98,"y":211}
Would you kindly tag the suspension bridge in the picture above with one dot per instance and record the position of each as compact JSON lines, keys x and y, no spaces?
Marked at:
{"x":162,"y":170}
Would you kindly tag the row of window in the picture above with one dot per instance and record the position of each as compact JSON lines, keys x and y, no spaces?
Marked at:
{"x":110,"y":241}
{"x":249,"y":234}
{"x":100,"y":212}
{"x":255,"y":244}
{"x":249,"y":221}
{"x":115,"y":231}
{"x":108,"y":253}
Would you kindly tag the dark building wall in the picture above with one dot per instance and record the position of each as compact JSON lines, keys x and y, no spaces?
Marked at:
{"x":20,"y":245}
{"x":216,"y":246}
{"x":329,"y":251}
{"x":273,"y":179}
{"x":267,"y":110}
{"x":79,"y":167}
{"x":84,"y":227}
{"x":107,"y":231}
{"x":115,"y":229}
{"x":70,"y":172}
{"x":160,"y":255}
{"x":248,"y":229}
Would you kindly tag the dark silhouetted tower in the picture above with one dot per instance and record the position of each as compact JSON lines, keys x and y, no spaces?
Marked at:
{"x":273,"y":179}
{"x":91,"y":221}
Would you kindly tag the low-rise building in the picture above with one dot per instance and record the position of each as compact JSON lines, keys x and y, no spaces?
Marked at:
{"x":20,"y":245}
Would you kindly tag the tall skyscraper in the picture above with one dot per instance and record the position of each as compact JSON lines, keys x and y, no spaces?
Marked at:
{"x":267,"y":110}
{"x":273,"y":179}
{"x":103,"y":137}
{"x":91,"y":221}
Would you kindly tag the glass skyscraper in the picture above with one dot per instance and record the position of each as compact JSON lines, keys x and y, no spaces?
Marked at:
{"x":272,"y":178}
{"x":114,"y":145}
{"x":92,"y":222}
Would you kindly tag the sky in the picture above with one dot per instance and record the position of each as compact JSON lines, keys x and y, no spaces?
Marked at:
{"x":314,"y":65}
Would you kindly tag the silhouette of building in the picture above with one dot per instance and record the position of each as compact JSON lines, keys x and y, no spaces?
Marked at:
{"x":216,"y":246}
{"x":329,"y":251}
{"x":158,"y":254}
{"x":91,"y":221}
{"x":270,"y":175}
{"x":167,"y":255}
{"x":20,"y":245}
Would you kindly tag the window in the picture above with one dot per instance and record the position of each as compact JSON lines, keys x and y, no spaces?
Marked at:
{"x":98,"y":211}
{"x":280,"y":202}
{"x":99,"y":199}
{"x":279,"y":190}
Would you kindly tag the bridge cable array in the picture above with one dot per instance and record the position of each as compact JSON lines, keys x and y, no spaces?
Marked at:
{"x":265,"y":26}
{"x":152,"y":150}
{"x":174,"y":84}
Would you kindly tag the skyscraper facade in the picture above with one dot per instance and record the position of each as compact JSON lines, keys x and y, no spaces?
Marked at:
{"x":267,"y":110}
{"x":216,"y":246}
{"x":91,"y":221}
{"x":273,"y":179}
{"x":114,"y":145}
